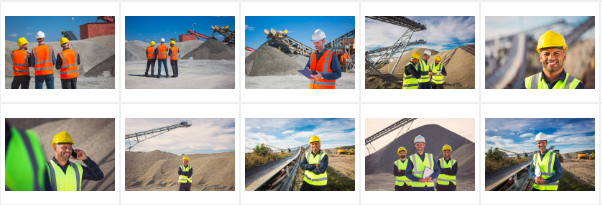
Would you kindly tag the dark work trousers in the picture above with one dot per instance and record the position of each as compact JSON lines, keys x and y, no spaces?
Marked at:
{"x":437,"y":86}
{"x":405,"y":187}
{"x":150,"y":63}
{"x":426,"y":85}
{"x":308,"y":187}
{"x":69,"y":83}
{"x":174,"y":67}
{"x":23,"y":81}
{"x":185,"y":186}
{"x":450,"y":187}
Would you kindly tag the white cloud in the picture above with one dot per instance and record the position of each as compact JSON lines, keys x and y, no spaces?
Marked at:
{"x":250,"y":28}
{"x":288,"y":131}
{"x":13,"y":35}
{"x":527,"y":135}
{"x":28,"y":33}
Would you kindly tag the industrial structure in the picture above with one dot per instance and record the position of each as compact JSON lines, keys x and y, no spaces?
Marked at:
{"x":229,"y":35}
{"x":288,"y":45}
{"x":95,"y":29}
{"x":401,"y":124}
{"x":142,"y":136}
{"x":281,"y":175}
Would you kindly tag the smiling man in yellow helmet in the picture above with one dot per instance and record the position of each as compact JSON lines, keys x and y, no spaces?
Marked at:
{"x":438,"y":72}
{"x":402,"y":183}
{"x":314,"y":163}
{"x":185,"y":172}
{"x":411,"y":74}
{"x":446,"y":181}
{"x":552,"y":54}
{"x":66,"y":175}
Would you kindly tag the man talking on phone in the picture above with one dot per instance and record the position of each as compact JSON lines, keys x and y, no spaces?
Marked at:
{"x":66,"y":175}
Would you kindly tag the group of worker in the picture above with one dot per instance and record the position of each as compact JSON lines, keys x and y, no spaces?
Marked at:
{"x":44,"y":61}
{"x":161,"y":53}
{"x":418,"y":74}
{"x":409,"y":171}
{"x":28,"y":170}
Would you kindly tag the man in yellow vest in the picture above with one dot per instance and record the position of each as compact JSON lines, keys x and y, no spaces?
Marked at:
{"x":174,"y":54}
{"x":65,"y":175}
{"x":314,"y":163}
{"x":438,"y":73}
{"x":67,"y":61}
{"x":545,"y":168}
{"x":151,"y":58}
{"x":449,"y":169}
{"x":185,"y":173}
{"x":424,"y":82}
{"x":402,"y":183}
{"x":323,"y":63}
{"x":552,"y":54}
{"x":25,"y":167}
{"x":419,"y":163}
{"x":411,"y":74}
{"x":20,"y":65}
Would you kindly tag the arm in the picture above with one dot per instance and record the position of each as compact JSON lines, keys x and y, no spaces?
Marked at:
{"x":305,"y":165}
{"x":532,"y":170}
{"x":323,"y":165}
{"x":558,"y":169}
{"x":92,"y":171}
{"x":580,"y":86}
{"x":59,"y":62}
{"x":53,"y":58}
{"x":336,"y":70}
{"x":412,"y":71}
{"x":190,"y":172}
{"x":443,"y":170}
{"x":179,"y":171}
{"x":397,"y":172}
{"x":409,"y":174}
{"x":454,"y":169}
{"x":522,"y":85}
{"x":32,"y":60}
{"x":78,"y":62}
{"x":443,"y":72}
{"x":436,"y":170}
{"x":307,"y":66}
{"x":169,"y":52}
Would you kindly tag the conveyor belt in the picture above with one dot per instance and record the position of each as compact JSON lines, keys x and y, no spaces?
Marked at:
{"x":495,"y":178}
{"x":257,"y":176}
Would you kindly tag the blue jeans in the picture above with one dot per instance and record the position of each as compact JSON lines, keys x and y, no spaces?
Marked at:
{"x":426,"y":85}
{"x":49,"y":81}
{"x":164,"y":61}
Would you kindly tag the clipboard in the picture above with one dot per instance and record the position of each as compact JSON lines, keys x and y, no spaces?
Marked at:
{"x":427,"y":172}
{"x":306,"y":73}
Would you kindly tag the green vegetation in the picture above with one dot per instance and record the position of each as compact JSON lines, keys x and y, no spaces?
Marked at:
{"x":496,"y":160}
{"x":338,"y":182}
{"x":569,"y":182}
{"x":262,"y":155}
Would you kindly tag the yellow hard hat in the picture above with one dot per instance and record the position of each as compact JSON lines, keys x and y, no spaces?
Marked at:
{"x":64,"y":40}
{"x":447,"y":147}
{"x":416,"y":55}
{"x":314,"y":139}
{"x":285,"y":31}
{"x":152,"y":43}
{"x":551,"y":39}
{"x":401,"y":149}
{"x":22,"y":41}
{"x":62,"y":138}
{"x":173,"y":42}
{"x":438,"y":58}
{"x":227,"y":27}
{"x":185,"y":158}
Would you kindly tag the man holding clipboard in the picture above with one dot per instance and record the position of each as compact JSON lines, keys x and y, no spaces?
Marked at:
{"x":422,"y":168}
{"x":323,"y":64}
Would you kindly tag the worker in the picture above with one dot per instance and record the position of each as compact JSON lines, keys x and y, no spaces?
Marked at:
{"x":419,"y":162}
{"x":20,"y":65}
{"x":324,"y":62}
{"x":161,"y":53}
{"x":550,"y":170}
{"x":552,"y":54}
{"x":438,"y":73}
{"x":314,"y":163}
{"x":66,"y":175}
{"x":151,"y":58}
{"x":42,"y":59}
{"x":411,"y":74}
{"x":68,"y":62}
{"x":185,"y":172}
{"x":174,"y":53}
{"x":344,"y":59}
{"x":449,"y":169}
{"x":24,"y":159}
{"x":425,"y":71}
{"x":402,"y":183}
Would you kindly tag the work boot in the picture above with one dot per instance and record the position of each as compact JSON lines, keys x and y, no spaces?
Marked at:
{"x":152,"y":75}
{"x":173,"y":76}
{"x":145,"y":74}
{"x":158,"y":76}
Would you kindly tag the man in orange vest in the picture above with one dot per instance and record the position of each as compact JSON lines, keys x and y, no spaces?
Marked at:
{"x":323,"y":63}
{"x":151,"y":56}
{"x":68,"y":62}
{"x":20,"y":66}
{"x":161,"y":52}
{"x":42,"y":59}
{"x":173,"y":58}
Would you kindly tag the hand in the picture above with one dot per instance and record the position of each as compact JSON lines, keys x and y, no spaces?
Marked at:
{"x":306,"y":68}
{"x":430,"y":73}
{"x":428,"y":179}
{"x":318,"y":76}
{"x":81,"y":155}
{"x":422,"y":180}
{"x":539,"y":180}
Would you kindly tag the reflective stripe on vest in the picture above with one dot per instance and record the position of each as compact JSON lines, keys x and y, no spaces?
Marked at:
{"x":424,"y":67}
{"x":25,"y":167}
{"x":536,"y":82}
{"x":43,"y":60}
{"x":151,"y":53}
{"x":184,"y":178}
{"x":418,"y":169}
{"x":437,"y":77}
{"x":322,"y":66}
{"x":162,"y":52}
{"x":400,"y":180}
{"x":312,"y":178}
{"x":174,"y":54}
{"x":70,"y":181}
{"x":20,"y":65}
{"x":69,"y":68}
{"x":444,"y":179}
{"x":546,"y":165}
{"x":409,"y":82}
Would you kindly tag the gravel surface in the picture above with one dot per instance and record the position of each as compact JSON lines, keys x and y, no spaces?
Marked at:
{"x":269,"y":61}
{"x":193,"y":74}
{"x":103,"y":69}
{"x":347,"y":81}
{"x":302,"y":60}
{"x":582,"y":169}
{"x":211,"y":49}
{"x":344,"y":164}
{"x":82,"y":82}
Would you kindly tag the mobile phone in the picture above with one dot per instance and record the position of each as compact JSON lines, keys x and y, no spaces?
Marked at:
{"x":74,"y":154}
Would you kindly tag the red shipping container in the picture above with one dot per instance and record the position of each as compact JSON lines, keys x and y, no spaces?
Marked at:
{"x":187,"y":37}
{"x":91,"y":30}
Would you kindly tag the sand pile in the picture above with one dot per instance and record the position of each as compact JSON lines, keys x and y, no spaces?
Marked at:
{"x":269,"y":61}
{"x":158,"y":170}
{"x":96,"y":137}
{"x":105,"y":68}
{"x":212,"y":50}
{"x":136,"y":50}
{"x":302,"y":60}
{"x":579,"y":57}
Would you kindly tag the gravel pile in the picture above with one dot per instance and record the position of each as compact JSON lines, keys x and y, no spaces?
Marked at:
{"x":302,"y":60}
{"x":211,"y":50}
{"x":269,"y":61}
{"x":135,"y":50}
{"x":247,"y":53}
{"x":105,"y":68}
{"x":107,"y":41}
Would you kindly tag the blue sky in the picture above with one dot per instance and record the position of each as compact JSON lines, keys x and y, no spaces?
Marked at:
{"x":299,"y":28}
{"x":443,"y":32}
{"x":153,"y":28}
{"x":206,"y":135}
{"x":27,"y":26}
{"x":518,"y":135}
{"x":291,"y":132}
{"x":499,"y":26}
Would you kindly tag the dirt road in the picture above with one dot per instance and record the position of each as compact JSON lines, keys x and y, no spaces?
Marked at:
{"x":344,"y":164}
{"x":582,"y":169}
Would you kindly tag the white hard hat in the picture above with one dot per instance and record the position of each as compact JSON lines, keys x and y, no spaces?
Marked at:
{"x":427,"y":52}
{"x":541,"y":137}
{"x":40,"y":34}
{"x":419,"y":138}
{"x":318,"y":35}
{"x":162,"y":40}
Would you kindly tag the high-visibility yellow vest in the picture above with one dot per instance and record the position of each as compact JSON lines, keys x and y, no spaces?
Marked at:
{"x":70,"y":181}
{"x":546,"y":165}
{"x":537,"y":82}
{"x":444,"y":179}
{"x":424,"y":67}
{"x":25,"y":167}
{"x":311,"y":177}
{"x":184,"y":178}
{"x":418,"y":169}
{"x":437,"y":77}
{"x":409,"y":82}
{"x":400,"y":180}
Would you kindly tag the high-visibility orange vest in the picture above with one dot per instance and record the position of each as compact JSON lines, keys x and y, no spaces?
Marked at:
{"x":43,"y":63}
{"x":151,"y":53}
{"x":321,"y":65}
{"x":343,"y":58}
{"x":69,"y":67}
{"x":162,"y":52}
{"x":174,"y":54}
{"x":20,"y":66}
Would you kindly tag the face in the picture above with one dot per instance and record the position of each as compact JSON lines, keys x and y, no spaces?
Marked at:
{"x":172,"y":45}
{"x":185,"y":162}
{"x":436,"y":61}
{"x":426,"y":57}
{"x":414,"y":61}
{"x":552,"y":59}
{"x":447,"y":153}
{"x":24,"y":46}
{"x":319,"y":44}
{"x":419,"y":147}
{"x":63,"y":151}
{"x":542,"y":145}
{"x":402,"y":154}
{"x":315,"y":146}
